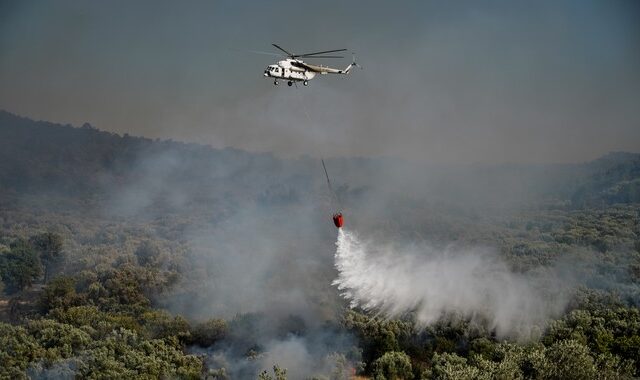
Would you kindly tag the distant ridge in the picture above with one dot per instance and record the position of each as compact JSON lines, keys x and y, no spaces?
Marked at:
{"x":40,"y":156}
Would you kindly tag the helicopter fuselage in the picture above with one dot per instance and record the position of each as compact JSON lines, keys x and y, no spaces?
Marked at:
{"x":290,"y":70}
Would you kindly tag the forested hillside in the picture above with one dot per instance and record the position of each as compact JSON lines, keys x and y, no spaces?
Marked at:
{"x":127,"y":257}
{"x":86,"y":163}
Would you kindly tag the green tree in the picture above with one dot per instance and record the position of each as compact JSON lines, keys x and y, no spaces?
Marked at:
{"x":20,"y":266}
{"x":60,"y":292}
{"x":377,"y":335}
{"x":278,"y":374}
{"x":49,"y":247}
{"x":17,"y":350}
{"x":569,"y":359}
{"x":59,"y":340}
{"x":207,"y":333}
{"x":612,"y":367}
{"x":448,"y":366}
{"x":125,"y":354}
{"x":148,"y":254}
{"x":506,"y":362}
{"x":160,"y":324}
{"x":393,"y":365}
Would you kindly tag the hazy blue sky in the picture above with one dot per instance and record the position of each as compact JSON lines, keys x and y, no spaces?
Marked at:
{"x":455,"y":82}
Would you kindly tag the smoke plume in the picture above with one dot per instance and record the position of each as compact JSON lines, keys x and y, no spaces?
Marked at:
{"x":474,"y":284}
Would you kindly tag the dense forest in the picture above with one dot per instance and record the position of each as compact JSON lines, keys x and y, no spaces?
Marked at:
{"x":128,"y":257}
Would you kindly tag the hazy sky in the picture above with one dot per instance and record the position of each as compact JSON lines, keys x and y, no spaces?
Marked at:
{"x":454,"y":82}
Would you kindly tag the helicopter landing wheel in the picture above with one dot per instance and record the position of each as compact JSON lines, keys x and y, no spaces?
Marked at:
{"x":275,"y":82}
{"x":289,"y":83}
{"x":306,"y":83}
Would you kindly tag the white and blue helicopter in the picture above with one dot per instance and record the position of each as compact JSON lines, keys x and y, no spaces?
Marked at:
{"x":293,"y":69}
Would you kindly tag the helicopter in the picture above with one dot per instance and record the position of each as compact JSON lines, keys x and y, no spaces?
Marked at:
{"x":293,"y":69}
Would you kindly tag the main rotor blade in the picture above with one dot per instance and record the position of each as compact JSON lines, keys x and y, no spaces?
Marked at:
{"x":259,"y":52}
{"x":325,"y":56}
{"x":321,"y":52}
{"x":278,"y":47}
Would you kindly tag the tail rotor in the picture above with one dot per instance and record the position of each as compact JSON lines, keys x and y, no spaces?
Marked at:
{"x":353,"y":61}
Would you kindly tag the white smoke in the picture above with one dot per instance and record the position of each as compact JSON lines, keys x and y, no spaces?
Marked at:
{"x":473,"y":284}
